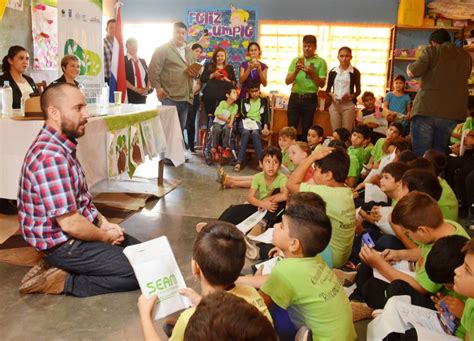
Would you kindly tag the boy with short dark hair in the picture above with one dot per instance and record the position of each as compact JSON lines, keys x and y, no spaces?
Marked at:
{"x":218,"y":258}
{"x":420,"y":217}
{"x":315,"y":136}
{"x":331,"y":167}
{"x":254,"y":112}
{"x":394,"y":130}
{"x":360,"y":137}
{"x":302,"y":281}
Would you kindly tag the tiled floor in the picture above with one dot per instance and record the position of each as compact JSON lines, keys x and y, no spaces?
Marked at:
{"x":115,"y":316}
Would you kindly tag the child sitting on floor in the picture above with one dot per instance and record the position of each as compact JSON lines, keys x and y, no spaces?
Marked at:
{"x":267,"y":191}
{"x":330,"y":171}
{"x":302,"y":282}
{"x":222,"y":125}
{"x":218,"y":258}
{"x":254,"y":113}
{"x":464,"y":285}
{"x":360,"y":136}
{"x":393,"y":131}
{"x":420,"y":217}
{"x":297,"y":152}
{"x":315,"y":136}
{"x":286,"y":137}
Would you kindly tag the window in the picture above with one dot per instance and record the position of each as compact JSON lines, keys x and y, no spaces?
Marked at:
{"x":281,"y":42}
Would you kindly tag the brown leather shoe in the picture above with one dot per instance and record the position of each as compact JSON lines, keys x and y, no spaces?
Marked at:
{"x":49,"y":282}
{"x":36,"y":270}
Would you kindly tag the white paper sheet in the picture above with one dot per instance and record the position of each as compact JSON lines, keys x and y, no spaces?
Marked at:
{"x":374,"y":193}
{"x":399,"y":315}
{"x":158,"y":274}
{"x":383,"y":223}
{"x":462,"y":146}
{"x":269,"y":265}
{"x":387,"y":159}
{"x":250,"y":124}
{"x":251,"y":221}
{"x":265,"y":237}
{"x":402,"y":266}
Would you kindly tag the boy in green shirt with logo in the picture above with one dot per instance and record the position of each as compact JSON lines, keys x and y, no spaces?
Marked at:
{"x":420,"y":217}
{"x":286,"y":137}
{"x":218,"y":259}
{"x":302,"y":283}
{"x":464,"y":285}
{"x":360,"y":136}
{"x":331,"y":166}
{"x":306,"y":74}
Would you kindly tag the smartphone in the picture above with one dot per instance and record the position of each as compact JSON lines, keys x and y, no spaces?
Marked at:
{"x":367,"y":240}
{"x":448,"y":320}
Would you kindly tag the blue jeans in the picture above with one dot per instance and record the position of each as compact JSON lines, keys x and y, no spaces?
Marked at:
{"x":244,"y":141}
{"x":94,"y":268}
{"x":429,"y":132}
{"x":182,"y":107}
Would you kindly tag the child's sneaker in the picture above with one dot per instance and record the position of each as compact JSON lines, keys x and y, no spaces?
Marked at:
{"x":304,"y":334}
{"x":215,"y":154}
{"x":226,"y":153}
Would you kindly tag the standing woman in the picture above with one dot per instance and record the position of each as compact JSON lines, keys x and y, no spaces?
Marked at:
{"x":219,"y":77}
{"x":14,"y":65}
{"x":138,"y":84}
{"x":252,"y":71}
{"x":343,"y":87}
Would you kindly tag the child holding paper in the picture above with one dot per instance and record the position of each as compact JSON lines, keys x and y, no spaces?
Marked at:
{"x":420,"y":217}
{"x":254,"y":112}
{"x":218,"y":258}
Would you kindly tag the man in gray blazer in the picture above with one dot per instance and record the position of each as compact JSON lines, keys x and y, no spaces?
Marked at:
{"x":170,"y":74}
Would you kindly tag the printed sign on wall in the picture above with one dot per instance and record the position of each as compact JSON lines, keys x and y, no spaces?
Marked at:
{"x":231,"y":28}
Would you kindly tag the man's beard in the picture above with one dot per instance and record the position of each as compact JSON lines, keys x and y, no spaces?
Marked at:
{"x":71,"y":132}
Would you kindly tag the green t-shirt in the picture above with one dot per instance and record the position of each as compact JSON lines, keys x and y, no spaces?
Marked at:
{"x":309,"y":290}
{"x":420,"y":273}
{"x":377,"y":152}
{"x":255,"y":110}
{"x":224,"y":109}
{"x":341,"y":211}
{"x":303,"y":83}
{"x":467,"y":320}
{"x":367,"y":153}
{"x":468,"y":124}
{"x":448,"y":203}
{"x":285,"y":160}
{"x":246,"y":292}
{"x":354,"y":167}
{"x":359,"y":154}
{"x":263,"y":190}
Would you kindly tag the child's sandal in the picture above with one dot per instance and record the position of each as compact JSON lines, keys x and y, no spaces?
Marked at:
{"x":237,"y":167}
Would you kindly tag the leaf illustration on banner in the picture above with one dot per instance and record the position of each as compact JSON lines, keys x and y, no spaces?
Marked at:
{"x":136,"y":155}
{"x":121,"y":151}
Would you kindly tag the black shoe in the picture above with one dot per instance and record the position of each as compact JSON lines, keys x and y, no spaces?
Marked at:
{"x":8,"y":207}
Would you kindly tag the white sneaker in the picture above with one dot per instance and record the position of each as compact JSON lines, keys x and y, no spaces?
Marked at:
{"x":304,"y":334}
{"x":252,"y":252}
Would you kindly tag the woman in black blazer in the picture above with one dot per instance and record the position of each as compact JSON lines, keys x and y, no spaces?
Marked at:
{"x":14,"y":64}
{"x":135,"y":68}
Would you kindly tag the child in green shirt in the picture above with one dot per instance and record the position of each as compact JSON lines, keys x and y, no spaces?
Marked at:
{"x":394,"y":130}
{"x":445,"y":256}
{"x":464,"y":285}
{"x":331,"y":166}
{"x":218,"y":259}
{"x":286,"y":137}
{"x":420,"y":217}
{"x":302,"y":283}
{"x":360,"y":136}
{"x":222,"y":124}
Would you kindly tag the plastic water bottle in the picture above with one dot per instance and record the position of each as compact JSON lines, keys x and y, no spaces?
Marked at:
{"x":105,"y":95}
{"x":7,"y":100}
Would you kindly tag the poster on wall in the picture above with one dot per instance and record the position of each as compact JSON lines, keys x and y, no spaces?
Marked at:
{"x":231,"y":28}
{"x":44,"y":23}
{"x":80,"y":34}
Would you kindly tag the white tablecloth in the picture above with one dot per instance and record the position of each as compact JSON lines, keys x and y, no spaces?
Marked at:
{"x":17,"y":136}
